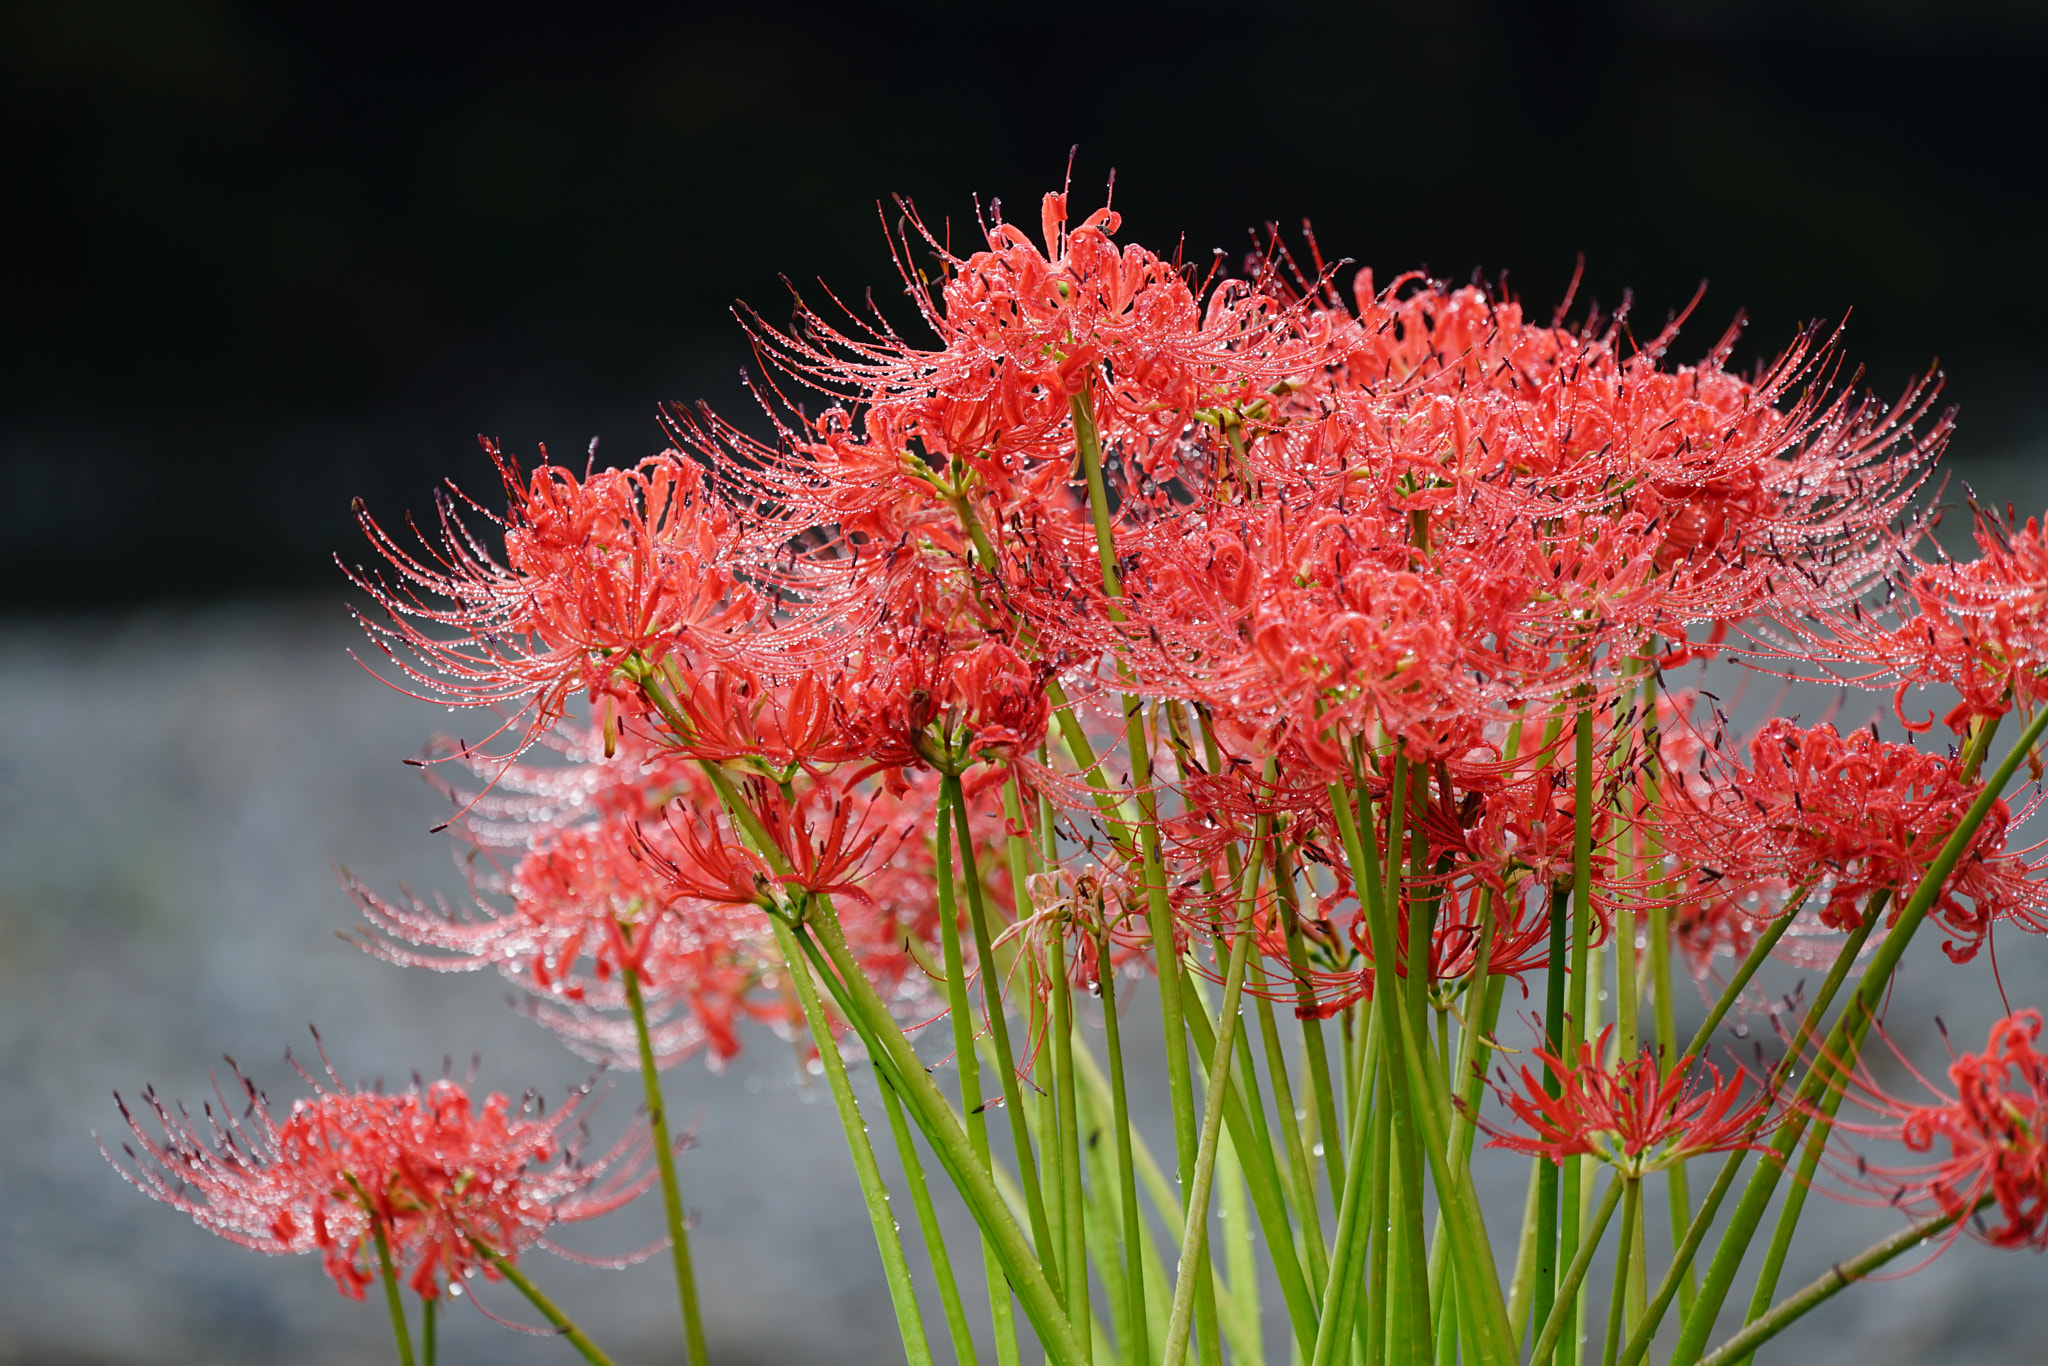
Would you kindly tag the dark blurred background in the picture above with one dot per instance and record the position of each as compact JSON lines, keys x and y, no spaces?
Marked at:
{"x":258,"y":260}
{"x":261,"y":259}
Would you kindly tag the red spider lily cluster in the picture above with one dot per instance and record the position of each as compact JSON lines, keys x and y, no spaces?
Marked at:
{"x":1633,"y":1112}
{"x":1311,"y":639}
{"x":448,"y":1187}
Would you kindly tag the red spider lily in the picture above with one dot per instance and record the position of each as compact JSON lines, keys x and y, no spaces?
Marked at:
{"x":1982,"y":627}
{"x":450,"y":1186}
{"x":1628,"y":1114}
{"x":601,"y":885}
{"x":1995,"y":1130}
{"x":625,"y":567}
{"x":730,"y":716}
{"x":1851,"y":813}
{"x":1026,"y":332}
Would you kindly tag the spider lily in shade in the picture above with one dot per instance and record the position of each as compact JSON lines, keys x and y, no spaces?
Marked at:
{"x":441,"y":1187}
{"x":1627,"y":1113}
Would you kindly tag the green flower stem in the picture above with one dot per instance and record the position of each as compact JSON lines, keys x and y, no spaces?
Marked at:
{"x":1838,"y":1054}
{"x":1471,"y":1253}
{"x":1157,"y":1288}
{"x":1837,"y":1277}
{"x":928,"y":1225}
{"x":1136,"y":1347}
{"x":960,"y":1011}
{"x":1354,"y":1230}
{"x":1562,"y":1308}
{"x":1299,"y":1175}
{"x":665,"y":1164}
{"x":1301,"y":1170}
{"x":1522,"y":1288}
{"x":1572,"y":1172}
{"x":1617,"y":1304}
{"x":943,"y":1129}
{"x":562,"y":1323}
{"x":1408,"y":1324}
{"x":1467,"y":1080}
{"x":1180,"y":1083}
{"x":1179,"y":1073}
{"x":1244,"y":1121}
{"x":429,"y":1321}
{"x":1074,"y":1254}
{"x":1376,"y":1084}
{"x":1322,"y":1089}
{"x":874,"y":1194}
{"x":999,"y":1031}
{"x":1193,"y":1266}
{"x":1547,"y":1175}
{"x":1089,"y":446}
{"x":1680,"y":1275}
{"x":1465,"y":1224}
{"x":1243,"y":1321}
{"x":389,"y":1275}
{"x":1677,"y":1189}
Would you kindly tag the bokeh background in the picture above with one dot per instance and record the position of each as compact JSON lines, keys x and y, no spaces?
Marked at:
{"x":258,"y":260}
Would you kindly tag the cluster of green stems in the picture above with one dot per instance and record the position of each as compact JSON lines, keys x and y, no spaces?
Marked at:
{"x":1347,"y":1157}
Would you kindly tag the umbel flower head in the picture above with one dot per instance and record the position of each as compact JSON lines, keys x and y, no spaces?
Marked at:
{"x":1989,"y":1138}
{"x":452,"y":1186}
{"x":1627,"y":1113}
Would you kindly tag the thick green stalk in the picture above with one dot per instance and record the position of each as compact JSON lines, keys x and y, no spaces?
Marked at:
{"x":389,"y":1275}
{"x":1301,"y":1176}
{"x":1547,"y":1182}
{"x":1136,"y":1348}
{"x":1562,"y":1312}
{"x":1067,"y":1134}
{"x":1466,"y":1081}
{"x":1193,"y":1266}
{"x":874,"y":1195}
{"x":1522,"y":1288}
{"x":1471,"y":1254}
{"x":1376,"y":1083}
{"x":1408,"y":1325}
{"x":1572,"y":1173}
{"x":928,"y":1225}
{"x":1322,"y":1096}
{"x":1157,"y":1289}
{"x":1838,"y":1053}
{"x":665,"y":1164}
{"x":1837,"y":1277}
{"x":885,"y":1043}
{"x":1179,"y":1074}
{"x":429,"y":1332}
{"x":1355,"y":1227}
{"x":561,"y":1322}
{"x":960,"y":1011}
{"x":999,"y":1031}
{"x":1240,"y":1259}
{"x":1267,"y":1197}
{"x":1617,"y":1304}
